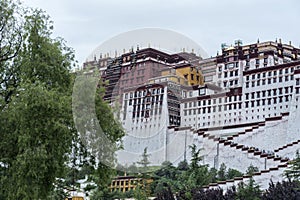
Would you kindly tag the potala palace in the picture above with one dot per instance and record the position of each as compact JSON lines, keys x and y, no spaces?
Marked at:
{"x":240,"y":107}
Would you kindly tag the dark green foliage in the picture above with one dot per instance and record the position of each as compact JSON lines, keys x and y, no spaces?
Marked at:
{"x":286,"y":190}
{"x":11,"y":30}
{"x":140,"y":193}
{"x":232,"y":173}
{"x":213,"y":175}
{"x":293,"y":172}
{"x":182,"y":178}
{"x":164,"y":177}
{"x":105,"y":194}
{"x":183,"y":165}
{"x":165,"y":194}
{"x":248,"y":191}
{"x":251,"y":170}
{"x":243,"y":192}
{"x":216,"y":194}
{"x":196,"y":158}
{"x":185,"y":178}
{"x":222,"y":172}
{"x":167,"y":170}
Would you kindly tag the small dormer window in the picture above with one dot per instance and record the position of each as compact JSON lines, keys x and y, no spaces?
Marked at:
{"x":202,"y":91}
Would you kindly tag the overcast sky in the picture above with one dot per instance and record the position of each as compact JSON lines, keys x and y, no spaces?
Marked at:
{"x":85,"y":24}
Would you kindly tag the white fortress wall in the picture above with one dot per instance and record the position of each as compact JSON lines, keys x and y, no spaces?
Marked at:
{"x":178,"y":145}
{"x":294,"y":116}
{"x":290,"y":151}
{"x":268,"y":137}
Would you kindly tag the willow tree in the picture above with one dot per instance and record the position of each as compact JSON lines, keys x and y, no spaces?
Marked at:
{"x":37,"y":130}
{"x":36,"y":120}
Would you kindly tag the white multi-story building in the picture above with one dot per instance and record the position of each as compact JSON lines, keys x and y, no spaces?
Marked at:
{"x":247,"y":111}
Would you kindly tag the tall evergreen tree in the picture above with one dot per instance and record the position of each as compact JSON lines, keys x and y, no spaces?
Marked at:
{"x":144,"y":162}
{"x":293,"y":172}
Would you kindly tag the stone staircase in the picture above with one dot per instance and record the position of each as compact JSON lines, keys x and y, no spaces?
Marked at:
{"x":287,"y":146}
{"x":241,"y":147}
{"x":263,"y":176}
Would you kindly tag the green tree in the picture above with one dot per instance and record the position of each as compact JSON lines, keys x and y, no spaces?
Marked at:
{"x":282,"y":190}
{"x":164,"y":177}
{"x":251,"y":170}
{"x":196,"y":158}
{"x":144,"y":162}
{"x":222,"y":172}
{"x":183,"y":165}
{"x":293,"y":172}
{"x":121,"y":170}
{"x":248,"y":191}
{"x":36,"y":120}
{"x":37,"y":132}
{"x":41,"y":146}
{"x":197,"y":175}
{"x":167,"y":170}
{"x":232,"y":173}
{"x":11,"y":29}
{"x":165,"y":193}
{"x":140,"y":193}
{"x":213,"y":173}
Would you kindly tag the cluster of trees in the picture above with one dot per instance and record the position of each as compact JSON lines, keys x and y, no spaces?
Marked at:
{"x":289,"y":189}
{"x":39,"y":143}
{"x":182,"y":179}
{"x":286,"y":190}
{"x":185,"y":181}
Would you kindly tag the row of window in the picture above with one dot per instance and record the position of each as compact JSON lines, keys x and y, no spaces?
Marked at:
{"x":143,"y":93}
{"x":229,"y":121}
{"x":213,"y":101}
{"x":271,"y":92}
{"x":231,"y":73}
{"x":269,"y":81}
{"x":211,"y":109}
{"x":230,"y":83}
{"x":146,"y":113}
{"x":234,"y":106}
{"x":234,"y":64}
{"x":268,"y":101}
{"x":147,"y":100}
{"x":239,"y":118}
{"x":234,"y":114}
{"x":192,"y":77}
{"x":234,"y":120}
{"x":270,"y":73}
{"x":145,"y":126}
